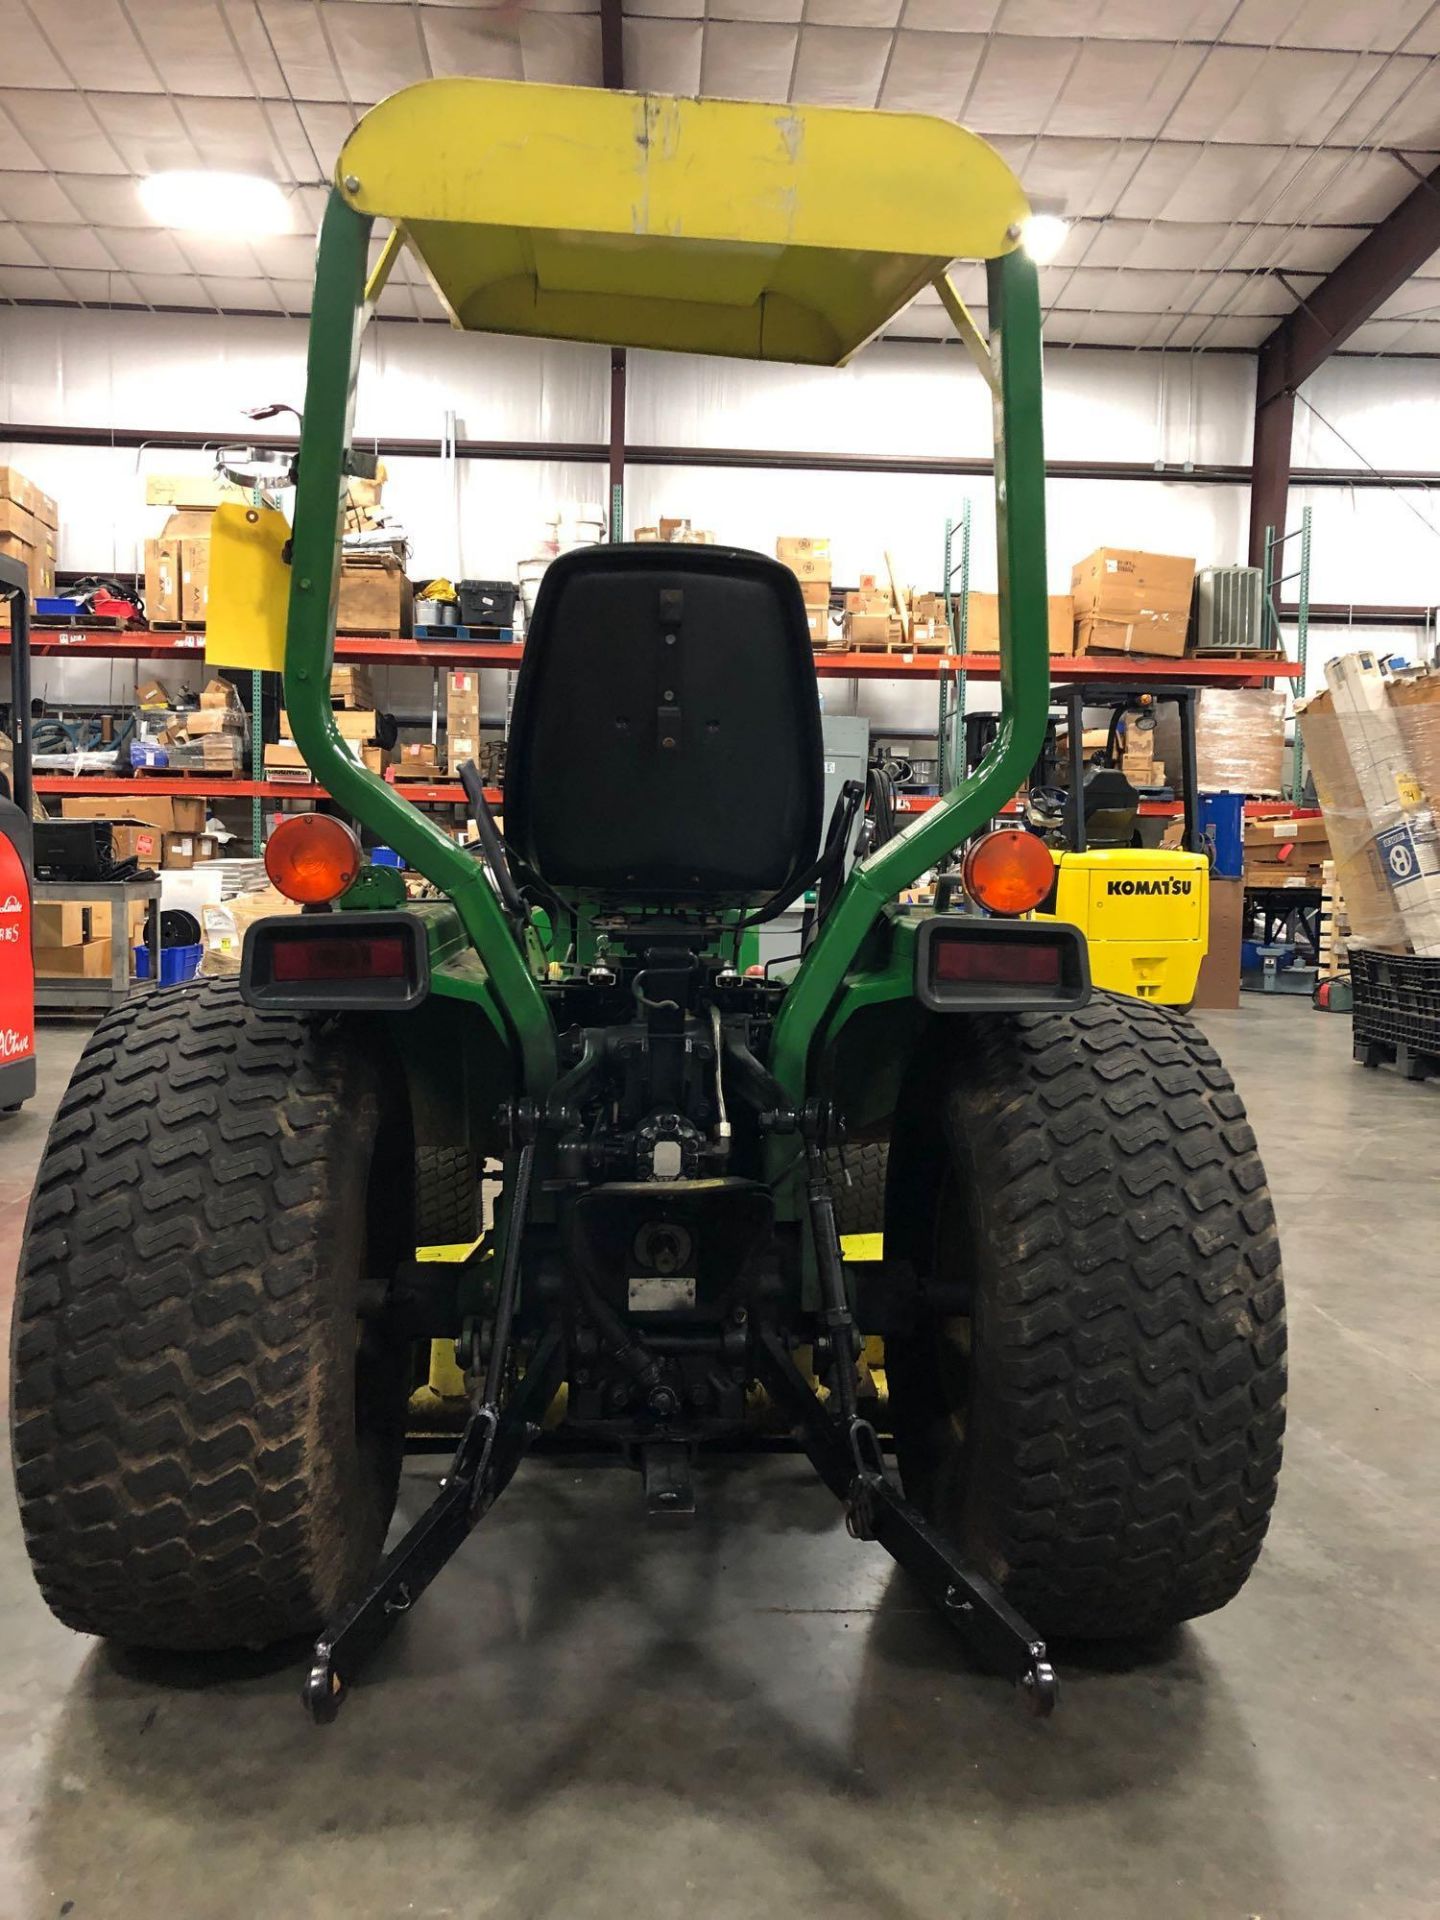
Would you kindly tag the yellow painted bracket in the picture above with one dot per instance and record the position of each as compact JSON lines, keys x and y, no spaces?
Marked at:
{"x":249,"y":588}
{"x":963,"y":321}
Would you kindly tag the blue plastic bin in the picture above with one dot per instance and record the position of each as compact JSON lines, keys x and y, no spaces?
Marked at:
{"x":1222,"y":822}
{"x":176,"y":964}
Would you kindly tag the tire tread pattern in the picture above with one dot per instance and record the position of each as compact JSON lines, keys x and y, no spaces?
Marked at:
{"x":175,"y":1453}
{"x":1129,"y":1322}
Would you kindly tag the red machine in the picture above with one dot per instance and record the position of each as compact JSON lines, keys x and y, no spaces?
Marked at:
{"x":17,"y":958}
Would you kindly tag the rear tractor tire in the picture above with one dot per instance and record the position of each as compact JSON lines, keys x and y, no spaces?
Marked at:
{"x":208,"y":1398}
{"x":1093,"y":1409}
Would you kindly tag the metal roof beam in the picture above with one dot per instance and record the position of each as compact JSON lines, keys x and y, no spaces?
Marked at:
{"x":612,"y":43}
{"x":1364,"y":280}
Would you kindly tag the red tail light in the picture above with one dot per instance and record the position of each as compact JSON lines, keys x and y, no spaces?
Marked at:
{"x":381,"y":956}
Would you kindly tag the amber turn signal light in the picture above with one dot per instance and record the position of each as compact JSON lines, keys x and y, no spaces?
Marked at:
{"x":1008,"y":871}
{"x":312,"y":858}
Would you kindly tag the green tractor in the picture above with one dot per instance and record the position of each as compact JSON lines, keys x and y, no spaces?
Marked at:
{"x":221,"y":1316}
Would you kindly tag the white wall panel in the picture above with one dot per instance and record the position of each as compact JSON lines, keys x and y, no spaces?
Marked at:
{"x":188,"y":372}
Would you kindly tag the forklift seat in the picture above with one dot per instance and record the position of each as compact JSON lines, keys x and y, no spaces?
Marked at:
{"x":1111,"y":807}
{"x":665,"y":744}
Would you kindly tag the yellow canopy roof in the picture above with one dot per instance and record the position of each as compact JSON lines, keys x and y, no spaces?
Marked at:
{"x":707,"y":226}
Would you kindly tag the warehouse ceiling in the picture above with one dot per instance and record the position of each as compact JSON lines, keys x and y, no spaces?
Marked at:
{"x":1216,"y":157}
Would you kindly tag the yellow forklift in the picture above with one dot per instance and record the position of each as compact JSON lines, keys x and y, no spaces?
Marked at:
{"x":1144,"y":911}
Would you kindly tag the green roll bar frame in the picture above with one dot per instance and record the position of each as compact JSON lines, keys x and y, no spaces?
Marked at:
{"x":338,"y":317}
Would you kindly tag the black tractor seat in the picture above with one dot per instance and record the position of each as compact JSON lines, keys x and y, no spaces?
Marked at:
{"x":665,"y":745}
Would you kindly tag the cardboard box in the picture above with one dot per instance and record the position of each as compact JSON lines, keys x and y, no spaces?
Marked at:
{"x":817,"y":619}
{"x":352,"y":723}
{"x":184,"y":850}
{"x":983,"y":622}
{"x":815,"y":593}
{"x":284,"y":756}
{"x":194,"y":580}
{"x":1218,"y":985}
{"x":929,"y":631}
{"x":807,"y":555}
{"x":132,"y":841}
{"x":1400,"y":815}
{"x":1123,"y":584}
{"x":1132,"y":602}
{"x":177,"y":570}
{"x":218,"y":694}
{"x":192,"y":491}
{"x":801,"y":546}
{"x":866,"y":600}
{"x":417,"y":762}
{"x":1415,"y":698}
{"x":1157,"y":637}
{"x":375,"y":596}
{"x":871,"y":629}
{"x":351,"y":686}
{"x":91,"y":960}
{"x":462,"y":692}
{"x":27,"y":496}
{"x":14,"y":519}
{"x":168,"y":815}
{"x":162,"y":581}
{"x":60,"y":923}
{"x":28,"y":519}
{"x":153,"y":694}
{"x":1144,"y":773}
{"x":202,"y":721}
{"x":1309,"y":832}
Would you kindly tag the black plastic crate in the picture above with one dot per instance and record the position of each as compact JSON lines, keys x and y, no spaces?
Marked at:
{"x":1397,"y":1009}
{"x":486,"y":603}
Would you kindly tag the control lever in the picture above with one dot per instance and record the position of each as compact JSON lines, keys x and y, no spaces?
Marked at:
{"x":491,"y":845}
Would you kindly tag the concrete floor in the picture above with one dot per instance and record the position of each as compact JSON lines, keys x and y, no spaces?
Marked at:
{"x":756,"y":1717}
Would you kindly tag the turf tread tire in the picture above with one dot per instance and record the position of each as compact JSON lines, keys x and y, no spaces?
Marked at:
{"x":191,"y":1468}
{"x":860,"y":1206}
{"x":1113,"y":1464}
{"x":447,"y":1195}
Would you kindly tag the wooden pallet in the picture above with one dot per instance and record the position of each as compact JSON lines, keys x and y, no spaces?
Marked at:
{"x":1334,"y":950}
{"x":1258,"y":655}
{"x":895,"y":646}
{"x":173,"y":626}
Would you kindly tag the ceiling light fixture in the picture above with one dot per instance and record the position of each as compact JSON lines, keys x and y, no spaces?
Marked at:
{"x":241,"y":204}
{"x":1043,"y":235}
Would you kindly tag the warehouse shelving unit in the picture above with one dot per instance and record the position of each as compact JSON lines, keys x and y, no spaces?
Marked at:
{"x":1273,"y":580}
{"x":949,"y":670}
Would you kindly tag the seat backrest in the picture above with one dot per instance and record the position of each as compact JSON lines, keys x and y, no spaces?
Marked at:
{"x":665,"y":739}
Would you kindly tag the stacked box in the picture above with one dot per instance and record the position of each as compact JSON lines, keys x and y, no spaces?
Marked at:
{"x":28,"y":519}
{"x":1239,"y":740}
{"x":928,"y":624}
{"x":808,"y":557}
{"x":350,"y":686}
{"x":166,"y":815}
{"x":177,"y":569}
{"x":1373,"y":740}
{"x":676,"y":533}
{"x":1132,"y":602}
{"x":1286,"y":852}
{"x":462,"y":717}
